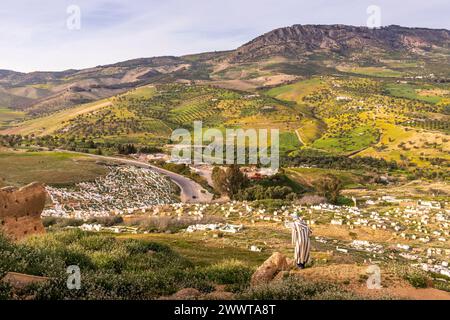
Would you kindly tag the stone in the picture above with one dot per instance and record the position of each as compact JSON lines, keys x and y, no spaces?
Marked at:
{"x":186,"y":294}
{"x":269,"y":269}
{"x":291,"y":262}
{"x":20,"y":210}
{"x":20,"y":281}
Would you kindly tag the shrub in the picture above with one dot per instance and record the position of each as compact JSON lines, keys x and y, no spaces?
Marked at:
{"x":5,"y":291}
{"x":107,"y":221}
{"x":229,"y":272}
{"x":418,"y":279}
{"x":293,"y":288}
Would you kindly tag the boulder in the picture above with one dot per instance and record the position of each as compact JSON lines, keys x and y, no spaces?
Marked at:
{"x":20,"y":281}
{"x":20,"y":210}
{"x":269,"y":269}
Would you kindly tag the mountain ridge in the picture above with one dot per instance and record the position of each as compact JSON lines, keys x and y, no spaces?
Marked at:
{"x":303,"y":49}
{"x":297,"y":38}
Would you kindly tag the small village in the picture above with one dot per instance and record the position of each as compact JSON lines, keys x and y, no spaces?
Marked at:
{"x":421,"y":227}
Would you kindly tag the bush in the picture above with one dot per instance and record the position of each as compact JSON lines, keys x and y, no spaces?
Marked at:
{"x":344,"y":201}
{"x":418,"y":279}
{"x":293,"y":288}
{"x":107,"y":221}
{"x":230,"y":272}
{"x":259,"y":192}
{"x":111,"y":268}
{"x":49,"y":221}
{"x":5,"y":291}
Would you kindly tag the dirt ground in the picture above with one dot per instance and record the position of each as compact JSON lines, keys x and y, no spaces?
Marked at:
{"x":354,"y":278}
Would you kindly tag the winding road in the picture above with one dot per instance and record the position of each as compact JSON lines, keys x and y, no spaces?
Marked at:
{"x":191,"y":191}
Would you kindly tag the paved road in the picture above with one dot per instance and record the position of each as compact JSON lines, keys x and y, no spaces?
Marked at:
{"x":191,"y":191}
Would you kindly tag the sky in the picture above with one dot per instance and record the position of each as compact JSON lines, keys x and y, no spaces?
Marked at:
{"x":45,"y":35}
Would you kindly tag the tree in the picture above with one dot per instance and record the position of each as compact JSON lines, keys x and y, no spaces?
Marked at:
{"x":218,"y":178}
{"x":230,"y":181}
{"x":329,"y":187}
{"x":126,"y":149}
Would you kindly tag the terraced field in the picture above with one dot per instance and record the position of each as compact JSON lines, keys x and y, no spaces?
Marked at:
{"x":7,"y":116}
{"x":370,"y":117}
{"x":345,"y":115}
{"x":49,"y":124}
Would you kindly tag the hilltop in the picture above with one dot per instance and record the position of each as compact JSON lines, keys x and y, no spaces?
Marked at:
{"x":299,"y":41}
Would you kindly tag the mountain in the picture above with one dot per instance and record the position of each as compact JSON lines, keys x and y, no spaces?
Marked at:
{"x":45,"y":92}
{"x":299,"y":40}
{"x":271,"y":59}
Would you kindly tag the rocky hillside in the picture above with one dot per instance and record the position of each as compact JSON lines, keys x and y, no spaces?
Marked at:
{"x":300,"y":40}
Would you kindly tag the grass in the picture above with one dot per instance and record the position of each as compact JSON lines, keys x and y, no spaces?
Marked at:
{"x":307,"y":176}
{"x":415,"y":92}
{"x":372,"y":71}
{"x":53,"y":168}
{"x":310,"y":130}
{"x":201,"y":251}
{"x":49,"y":124}
{"x":142,"y":92}
{"x":416,"y":144}
{"x":114,"y":268}
{"x":288,"y":142}
{"x":357,"y":139}
{"x":295,"y":92}
{"x":292,"y":288}
{"x":132,"y":268}
{"x":8,"y":115}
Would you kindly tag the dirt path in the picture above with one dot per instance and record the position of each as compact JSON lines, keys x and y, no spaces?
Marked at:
{"x":299,"y":137}
{"x":355,"y":276}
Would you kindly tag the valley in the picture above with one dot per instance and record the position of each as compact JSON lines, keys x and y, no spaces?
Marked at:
{"x":364,"y":147}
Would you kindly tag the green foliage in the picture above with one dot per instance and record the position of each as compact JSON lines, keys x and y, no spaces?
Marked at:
{"x":110,"y":268}
{"x":344,"y":201}
{"x":258,"y":192}
{"x":229,"y":181}
{"x":338,"y":162}
{"x":329,"y":187}
{"x":410,"y":91}
{"x":229,"y":272}
{"x":418,"y":279}
{"x":126,"y":149}
{"x":293,"y":288}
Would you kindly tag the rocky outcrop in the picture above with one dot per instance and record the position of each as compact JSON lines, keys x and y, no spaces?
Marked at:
{"x":20,"y":210}
{"x":299,"y":40}
{"x":270,"y":268}
{"x":20,"y":281}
